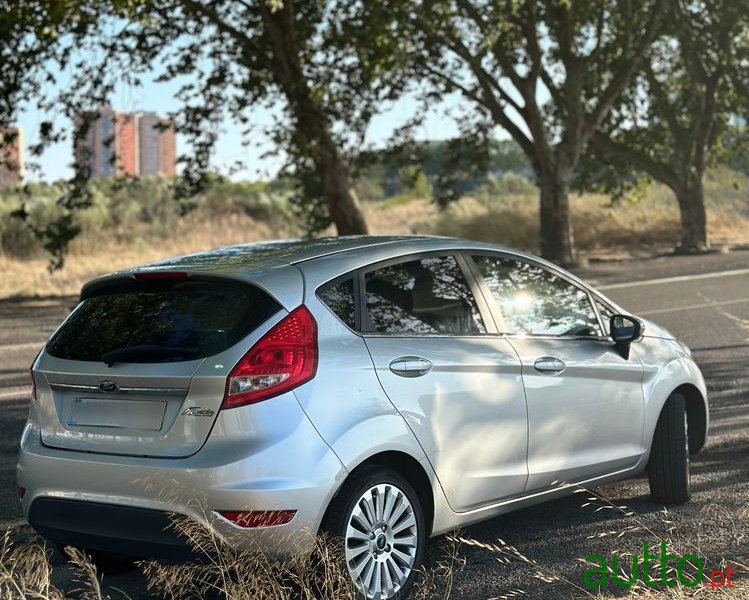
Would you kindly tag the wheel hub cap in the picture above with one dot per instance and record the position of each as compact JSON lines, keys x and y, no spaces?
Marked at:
{"x":381,"y":541}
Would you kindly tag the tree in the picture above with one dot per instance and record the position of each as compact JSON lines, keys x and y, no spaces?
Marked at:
{"x":546,"y":71}
{"x":229,"y":58}
{"x":668,"y":123}
{"x":276,"y":37}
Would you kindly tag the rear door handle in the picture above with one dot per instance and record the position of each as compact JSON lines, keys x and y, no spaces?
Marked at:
{"x":410,"y":366}
{"x":549,"y":365}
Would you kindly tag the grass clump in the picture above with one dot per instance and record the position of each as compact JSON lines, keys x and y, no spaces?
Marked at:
{"x":26,"y":573}
{"x":224,"y":572}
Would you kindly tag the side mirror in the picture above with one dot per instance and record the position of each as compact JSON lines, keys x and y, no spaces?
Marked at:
{"x":625,"y":330}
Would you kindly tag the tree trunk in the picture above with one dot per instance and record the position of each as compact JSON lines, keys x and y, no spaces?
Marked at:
{"x":556,"y":239}
{"x":311,"y":122}
{"x":343,"y":203}
{"x":691,"y":198}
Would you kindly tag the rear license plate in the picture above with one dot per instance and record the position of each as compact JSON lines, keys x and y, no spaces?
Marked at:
{"x":122,"y":414}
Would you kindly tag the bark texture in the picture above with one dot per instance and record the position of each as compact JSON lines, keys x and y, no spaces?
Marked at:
{"x":691,"y":198}
{"x":312,"y":126}
{"x":556,"y":239}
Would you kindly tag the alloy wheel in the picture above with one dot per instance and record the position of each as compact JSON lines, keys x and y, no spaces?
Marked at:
{"x":381,"y":541}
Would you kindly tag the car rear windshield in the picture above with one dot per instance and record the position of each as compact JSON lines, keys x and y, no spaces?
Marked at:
{"x":156,"y":322}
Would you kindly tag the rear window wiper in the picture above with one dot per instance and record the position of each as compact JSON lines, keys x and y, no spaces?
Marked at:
{"x":148,"y":353}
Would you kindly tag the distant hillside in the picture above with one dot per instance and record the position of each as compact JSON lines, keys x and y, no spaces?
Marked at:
{"x":462,"y":165}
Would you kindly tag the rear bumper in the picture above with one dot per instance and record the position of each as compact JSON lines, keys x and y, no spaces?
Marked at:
{"x":124,"y":504}
{"x":109,"y":528}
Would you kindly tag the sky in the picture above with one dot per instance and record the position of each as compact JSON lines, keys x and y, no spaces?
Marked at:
{"x":55,"y":163}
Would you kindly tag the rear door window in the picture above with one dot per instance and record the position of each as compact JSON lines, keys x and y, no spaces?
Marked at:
{"x":425,"y":296}
{"x":536,"y":301}
{"x":157,"y":322}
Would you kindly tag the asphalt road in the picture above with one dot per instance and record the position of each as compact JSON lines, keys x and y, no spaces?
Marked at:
{"x":703,"y":300}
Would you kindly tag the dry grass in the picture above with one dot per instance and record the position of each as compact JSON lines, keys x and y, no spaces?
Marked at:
{"x":26,"y":573}
{"x":598,"y":226}
{"x":221,"y":569}
{"x":224,"y":572}
{"x":508,"y":217}
{"x":666,"y":530}
{"x":93,"y":255}
{"x":232,"y":574}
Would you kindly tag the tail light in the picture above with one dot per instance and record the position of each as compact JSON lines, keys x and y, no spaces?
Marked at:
{"x":284,"y":358}
{"x":258,"y":518}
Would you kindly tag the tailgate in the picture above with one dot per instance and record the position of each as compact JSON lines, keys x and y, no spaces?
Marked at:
{"x":140,"y":366}
{"x":132,"y":409}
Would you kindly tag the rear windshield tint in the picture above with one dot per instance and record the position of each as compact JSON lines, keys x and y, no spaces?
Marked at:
{"x":157,"y":322}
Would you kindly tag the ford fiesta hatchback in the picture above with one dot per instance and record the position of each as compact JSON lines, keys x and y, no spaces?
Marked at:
{"x":387,"y":389}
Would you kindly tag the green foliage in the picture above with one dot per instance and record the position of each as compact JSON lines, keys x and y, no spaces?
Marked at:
{"x":414,"y":182}
{"x":118,"y":206}
{"x":733,"y":148}
{"x":673,"y":121}
{"x":508,"y":184}
{"x":226,"y":58}
{"x":544,"y":71}
{"x":450,"y":168}
{"x":659,"y":78}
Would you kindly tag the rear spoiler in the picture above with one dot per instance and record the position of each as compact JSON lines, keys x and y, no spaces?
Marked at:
{"x":148,"y":280}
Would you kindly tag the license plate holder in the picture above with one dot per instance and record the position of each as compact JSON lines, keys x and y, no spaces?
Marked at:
{"x":144,"y":415}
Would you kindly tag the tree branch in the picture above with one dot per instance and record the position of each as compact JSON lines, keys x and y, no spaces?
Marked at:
{"x":488,"y":100}
{"x":628,"y":65}
{"x":664,"y":103}
{"x":215,"y":18}
{"x":640,"y":160}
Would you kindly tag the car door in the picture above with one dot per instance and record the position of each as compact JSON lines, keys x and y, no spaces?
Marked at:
{"x":585,"y":401}
{"x":452,"y":378}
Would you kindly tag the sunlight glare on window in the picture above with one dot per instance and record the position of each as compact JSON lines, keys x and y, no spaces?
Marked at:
{"x":522,"y":300}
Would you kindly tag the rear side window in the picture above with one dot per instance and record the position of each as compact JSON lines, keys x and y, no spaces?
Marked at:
{"x":162,"y":322}
{"x":427,"y":296}
{"x":339,"y":297}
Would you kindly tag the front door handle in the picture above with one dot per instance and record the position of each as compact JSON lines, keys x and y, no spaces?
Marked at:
{"x":549,"y":365}
{"x":410,"y":366}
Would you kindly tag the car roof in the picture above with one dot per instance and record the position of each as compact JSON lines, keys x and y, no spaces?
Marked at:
{"x":271,"y":265}
{"x":244,"y":257}
{"x":245,"y":260}
{"x":262,"y":262}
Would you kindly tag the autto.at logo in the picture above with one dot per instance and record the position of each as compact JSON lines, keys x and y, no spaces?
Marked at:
{"x":654,"y":570}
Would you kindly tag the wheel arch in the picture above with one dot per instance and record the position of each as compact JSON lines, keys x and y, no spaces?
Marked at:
{"x":696,"y":415}
{"x":406,"y":466}
{"x":679,"y":374}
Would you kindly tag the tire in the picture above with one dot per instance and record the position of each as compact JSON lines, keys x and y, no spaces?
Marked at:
{"x":668,"y":469}
{"x":390,"y":550}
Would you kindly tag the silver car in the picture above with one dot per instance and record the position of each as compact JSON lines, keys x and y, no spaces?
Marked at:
{"x":386,"y":389}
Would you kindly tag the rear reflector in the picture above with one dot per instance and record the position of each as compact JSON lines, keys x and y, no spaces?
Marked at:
{"x":21,"y":491}
{"x":258,"y":518}
{"x":148,"y":275}
{"x":284,"y":358}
